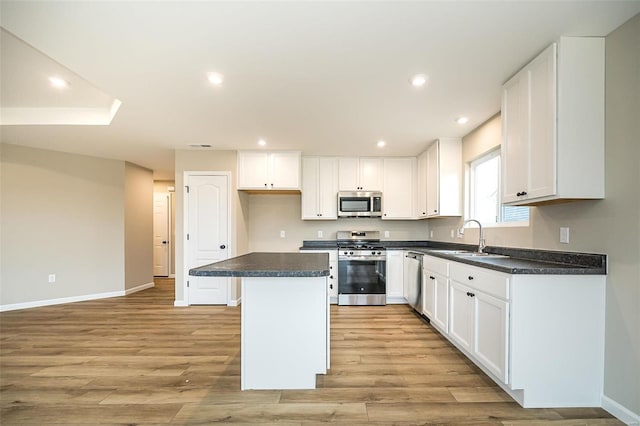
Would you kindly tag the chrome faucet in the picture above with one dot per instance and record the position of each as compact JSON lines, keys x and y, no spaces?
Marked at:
{"x":481,"y":244}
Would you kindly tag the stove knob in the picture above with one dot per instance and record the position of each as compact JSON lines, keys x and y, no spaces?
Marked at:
{"x":373,"y":252}
{"x":379,"y":252}
{"x":350,"y":252}
{"x":345,"y":252}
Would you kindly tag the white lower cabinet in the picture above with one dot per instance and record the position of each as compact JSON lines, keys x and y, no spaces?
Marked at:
{"x":395,"y":277}
{"x":435,"y":292}
{"x":461,"y":316}
{"x":527,"y":332}
{"x":332,"y":281}
{"x":490,"y":346}
{"x":480,"y":316}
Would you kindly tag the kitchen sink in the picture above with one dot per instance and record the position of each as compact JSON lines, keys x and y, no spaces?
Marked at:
{"x":452,"y":251}
{"x":467,"y":253}
{"x":481,"y":255}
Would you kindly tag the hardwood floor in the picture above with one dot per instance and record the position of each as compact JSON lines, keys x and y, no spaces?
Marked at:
{"x":138,"y":360}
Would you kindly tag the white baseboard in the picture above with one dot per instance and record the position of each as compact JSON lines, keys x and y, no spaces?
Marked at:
{"x":235,"y":302}
{"x":139,"y":288}
{"x":83,"y":298}
{"x":621,"y":412}
{"x":60,"y":301}
{"x":180,"y":303}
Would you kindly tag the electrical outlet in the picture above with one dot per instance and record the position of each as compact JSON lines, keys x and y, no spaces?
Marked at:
{"x":453,"y":234}
{"x":431,"y":233}
{"x":460,"y":233}
{"x":564,"y":235}
{"x":320,"y":234}
{"x":386,"y":234}
{"x":52,"y":278}
{"x":282,"y":234}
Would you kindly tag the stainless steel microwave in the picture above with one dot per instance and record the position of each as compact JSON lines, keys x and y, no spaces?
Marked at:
{"x":359,"y":204}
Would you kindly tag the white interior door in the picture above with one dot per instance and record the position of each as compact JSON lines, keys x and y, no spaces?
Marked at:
{"x":206,"y":199}
{"x":161,"y":250}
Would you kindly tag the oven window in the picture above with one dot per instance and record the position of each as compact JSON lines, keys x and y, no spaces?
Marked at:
{"x":362,"y":276}
{"x":355,"y":204}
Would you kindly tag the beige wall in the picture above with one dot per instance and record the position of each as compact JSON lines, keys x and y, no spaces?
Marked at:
{"x":60,"y":214}
{"x":271,"y":214}
{"x":610,"y":226}
{"x":138,"y":225}
{"x":217,"y":161}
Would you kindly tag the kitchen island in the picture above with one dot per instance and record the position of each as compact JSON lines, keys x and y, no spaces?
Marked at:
{"x":284,"y":317}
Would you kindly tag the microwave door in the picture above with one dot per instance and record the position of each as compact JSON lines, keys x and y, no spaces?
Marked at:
{"x":355,"y":205}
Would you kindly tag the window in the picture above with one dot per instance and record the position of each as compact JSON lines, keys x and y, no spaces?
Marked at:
{"x":485,"y":203}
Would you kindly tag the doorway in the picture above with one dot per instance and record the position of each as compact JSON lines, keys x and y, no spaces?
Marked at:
{"x":207,"y":231}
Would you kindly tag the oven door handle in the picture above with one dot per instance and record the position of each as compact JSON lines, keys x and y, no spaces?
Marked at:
{"x":361,"y":259}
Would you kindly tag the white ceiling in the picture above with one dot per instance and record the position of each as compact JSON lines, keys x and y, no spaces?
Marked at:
{"x":322,"y":77}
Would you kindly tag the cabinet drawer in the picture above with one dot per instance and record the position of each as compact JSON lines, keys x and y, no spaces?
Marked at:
{"x":490,"y":282}
{"x":436,"y":265}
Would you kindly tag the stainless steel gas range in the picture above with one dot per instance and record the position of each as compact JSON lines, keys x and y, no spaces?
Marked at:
{"x":362,"y":265}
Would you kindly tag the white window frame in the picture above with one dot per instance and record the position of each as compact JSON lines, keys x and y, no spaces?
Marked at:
{"x":469,"y":194}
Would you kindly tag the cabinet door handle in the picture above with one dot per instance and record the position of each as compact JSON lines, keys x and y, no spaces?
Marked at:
{"x":520,"y":194}
{"x":470,"y":277}
{"x":431,"y":277}
{"x":223,"y":247}
{"x":331,"y":276}
{"x":331,"y":286}
{"x":472,"y":294}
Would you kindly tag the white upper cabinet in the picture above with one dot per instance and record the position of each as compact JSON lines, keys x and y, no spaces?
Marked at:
{"x":260,"y":170}
{"x":553,"y":125}
{"x":421,"y":186}
{"x":440,"y":179}
{"x":360,"y":174}
{"x":398,"y":189}
{"x":319,"y":188}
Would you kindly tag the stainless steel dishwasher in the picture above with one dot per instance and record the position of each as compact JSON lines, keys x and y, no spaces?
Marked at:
{"x":413,"y":277}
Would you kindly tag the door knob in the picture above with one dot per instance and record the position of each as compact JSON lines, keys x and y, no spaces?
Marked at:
{"x":165,"y":242}
{"x":223,"y":247}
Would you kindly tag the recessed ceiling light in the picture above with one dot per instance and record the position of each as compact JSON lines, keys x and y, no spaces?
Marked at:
{"x":262,"y":142}
{"x":462,"y":120}
{"x":381,"y":144}
{"x":215,"y":78}
{"x":418,"y":80}
{"x":58,"y":83}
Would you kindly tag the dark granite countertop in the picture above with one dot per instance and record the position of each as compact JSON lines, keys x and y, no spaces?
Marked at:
{"x":268,"y":265}
{"x":512,"y":260}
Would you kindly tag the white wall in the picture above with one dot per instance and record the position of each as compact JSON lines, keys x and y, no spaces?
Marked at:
{"x":61,"y":214}
{"x":162,"y":187}
{"x":610,"y":226}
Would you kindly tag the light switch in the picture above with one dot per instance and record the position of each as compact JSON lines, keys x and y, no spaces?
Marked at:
{"x":386,"y":234}
{"x":564,"y":235}
{"x":282,"y":234}
{"x":320,"y":234}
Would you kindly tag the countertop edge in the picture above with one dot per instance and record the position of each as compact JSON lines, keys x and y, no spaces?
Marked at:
{"x":557,"y":262}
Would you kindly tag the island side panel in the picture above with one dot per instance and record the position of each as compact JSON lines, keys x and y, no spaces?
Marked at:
{"x":284,"y":332}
